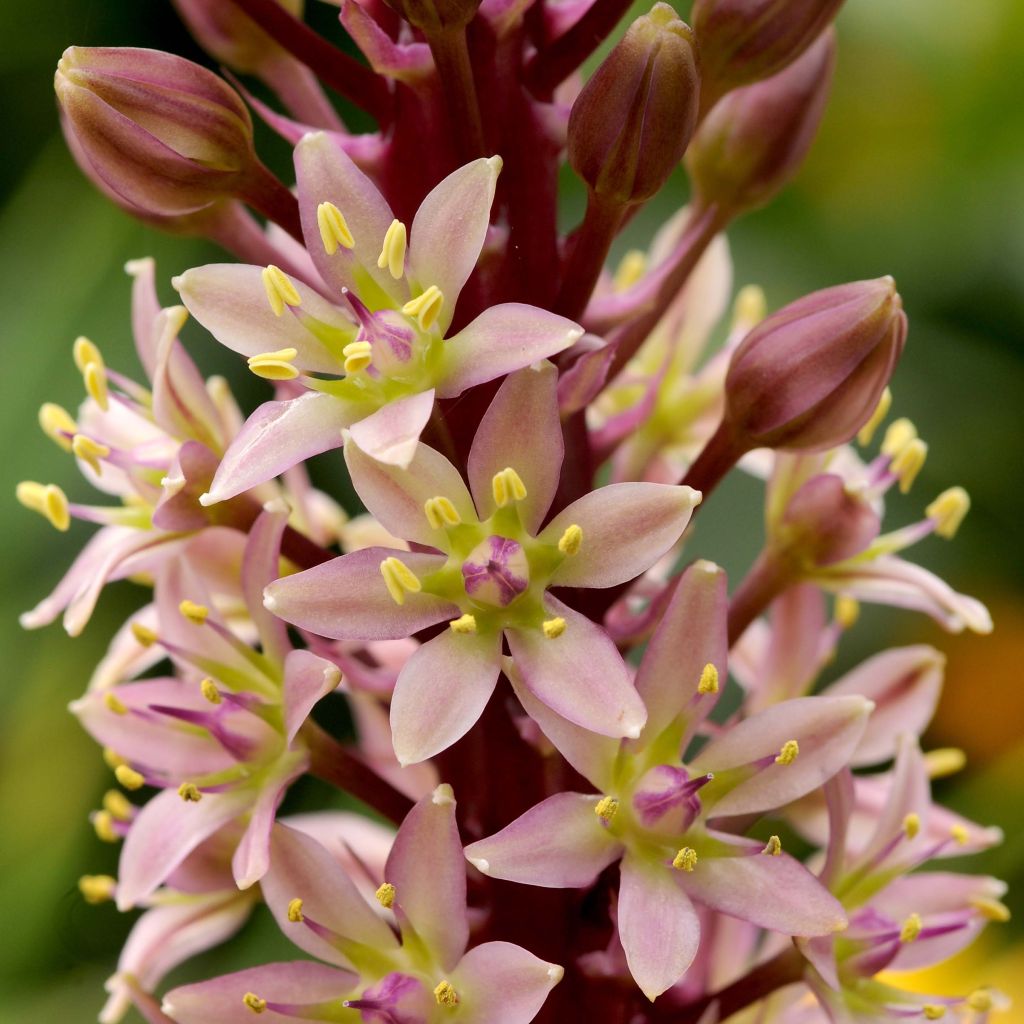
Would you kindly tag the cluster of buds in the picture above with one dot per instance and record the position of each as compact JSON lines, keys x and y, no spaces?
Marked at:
{"x":578,"y":829}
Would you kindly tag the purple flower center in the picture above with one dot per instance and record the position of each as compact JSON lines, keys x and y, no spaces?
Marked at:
{"x":387,"y":332}
{"x":496,"y":572}
{"x":667,"y":798}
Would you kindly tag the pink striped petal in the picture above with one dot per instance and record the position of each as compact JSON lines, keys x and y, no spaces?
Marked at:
{"x":560,"y":843}
{"x":251,"y":859}
{"x":392,"y":433}
{"x":626,"y":529}
{"x":261,"y":564}
{"x":502,"y":983}
{"x":307,"y":678}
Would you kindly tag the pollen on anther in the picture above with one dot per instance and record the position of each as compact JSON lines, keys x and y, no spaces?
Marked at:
{"x":959,"y":835}
{"x":111,"y":758}
{"x":103,"y":824}
{"x":143,"y":634}
{"x":254,"y":1002}
{"x":570,"y":541}
{"x":276,"y":365}
{"x":89,"y":451}
{"x":932,"y":1011}
{"x":553,"y":628}
{"x":115,"y":704}
{"x":911,"y":928}
{"x":606,"y":808}
{"x":280,"y":291}
{"x":685,"y":859}
{"x":392,"y":253}
{"x":773,"y":848}
{"x":445,"y":994}
{"x":708,"y":682}
{"x":189,"y":792}
{"x":900,"y":433}
{"x":334,"y":229}
{"x":909,"y":462}
{"x":129,"y":777}
{"x":209,"y":690}
{"x":944,"y":761}
{"x":295,"y":911}
{"x":57,"y":423}
{"x":440,"y":512}
{"x":911,"y":825}
{"x":948,"y":511}
{"x":46,"y":499}
{"x":385,"y":895}
{"x":464,"y":624}
{"x":97,"y":888}
{"x":788,"y":754}
{"x":399,"y":579}
{"x":117,"y":805}
{"x":980,"y":1000}
{"x":847,"y":611}
{"x":195,"y":613}
{"x":357,"y":355}
{"x":991,"y":909}
{"x":507,"y":486}
{"x":426,"y":307}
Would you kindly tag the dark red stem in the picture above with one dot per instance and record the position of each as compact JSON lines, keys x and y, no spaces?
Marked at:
{"x":769,"y":576}
{"x":264,"y":193}
{"x":451,"y":57}
{"x":588,"y":249}
{"x":716,"y":458}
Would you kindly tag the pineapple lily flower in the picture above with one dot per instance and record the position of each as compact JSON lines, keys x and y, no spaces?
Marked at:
{"x":223,"y":741}
{"x":484,"y":564}
{"x":653,"y":812}
{"x":402,"y":960}
{"x":373,"y":355}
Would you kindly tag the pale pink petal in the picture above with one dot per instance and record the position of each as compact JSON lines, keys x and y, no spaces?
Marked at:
{"x":559,"y":843}
{"x":397,"y":495}
{"x":582,"y":382}
{"x":230,"y":301}
{"x":406,"y":62}
{"x":252,"y":855}
{"x":145,"y":309}
{"x":501,"y":339}
{"x":220,"y":1000}
{"x":520,"y":429}
{"x":448,"y":231}
{"x":793,"y":656}
{"x":691,"y":635}
{"x":326,"y":174}
{"x":502,"y":983}
{"x":442,"y":691}
{"x":165,"y":832}
{"x":261,"y":564}
{"x":579,"y":674}
{"x":347,"y":599}
{"x":778,"y":893}
{"x":626,"y":529}
{"x":827,"y":730}
{"x":428,"y":871}
{"x":307,"y":678}
{"x":904,"y":684}
{"x":392,"y":433}
{"x":276,"y":437}
{"x":658,"y":925}
{"x":908,"y":792}
{"x":301,"y":868}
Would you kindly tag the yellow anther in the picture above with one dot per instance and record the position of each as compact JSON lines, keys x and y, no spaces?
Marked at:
{"x":280,"y":291}
{"x":97,"y":888}
{"x":103,"y":823}
{"x":788,"y":753}
{"x":392,"y":253}
{"x":143,"y":634}
{"x":209,"y":690}
{"x":129,"y":777}
{"x":685,"y":859}
{"x":708,"y":682}
{"x":46,"y":499}
{"x":399,"y":579}
{"x":960,"y":835}
{"x":606,"y":808}
{"x":118,"y":806}
{"x":89,"y":451}
{"x":464,"y":624}
{"x":898,"y":435}
{"x":189,"y":792}
{"x":570,"y":541}
{"x":425,"y":308}
{"x":254,"y":1002}
{"x":944,"y":761}
{"x":911,"y":825}
{"x":295,"y":911}
{"x":867,"y":432}
{"x":115,"y":704}
{"x":507,"y":486}
{"x":932,"y":1011}
{"x":84,"y":353}
{"x":847,"y":611}
{"x":440,"y":512}
{"x":980,"y":1000}
{"x":445,"y":994}
{"x":909,"y":462}
{"x":948,"y":511}
{"x":553,"y":628}
{"x":630,"y":269}
{"x":385,"y":895}
{"x":95,"y":378}
{"x":911,"y":928}
{"x":773,"y":848}
{"x":334,"y":229}
{"x":993,"y":910}
{"x":111,"y":758}
{"x":358,"y":356}
{"x":57,"y":423}
{"x":750,"y":307}
{"x":275,"y":365}
{"x":196,"y":613}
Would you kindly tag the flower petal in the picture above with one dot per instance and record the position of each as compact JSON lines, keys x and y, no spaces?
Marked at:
{"x":520,"y":429}
{"x":428,"y":871}
{"x":579,"y":674}
{"x":261,"y":564}
{"x":441,"y":692}
{"x":502,"y":983}
{"x":626,"y":529}
{"x":559,"y":843}
{"x":392,"y":433}
{"x":347,"y":599}
{"x":307,"y":678}
{"x":500,"y":340}
{"x":658,"y":925}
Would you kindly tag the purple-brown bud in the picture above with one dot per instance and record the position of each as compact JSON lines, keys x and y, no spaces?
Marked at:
{"x":743,"y":41}
{"x":435,"y":15}
{"x":164,"y":134}
{"x":754,"y":141}
{"x":632,"y":122}
{"x":809,"y":376}
{"x":824,"y":523}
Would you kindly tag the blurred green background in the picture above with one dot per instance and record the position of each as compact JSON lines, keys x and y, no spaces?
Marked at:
{"x":918,"y":172}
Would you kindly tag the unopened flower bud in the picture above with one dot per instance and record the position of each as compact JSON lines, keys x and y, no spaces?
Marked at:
{"x":164,"y":134}
{"x":824,"y":522}
{"x":743,"y":41}
{"x":435,"y":15}
{"x":632,"y":122}
{"x":809,"y":376}
{"x":754,"y":141}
